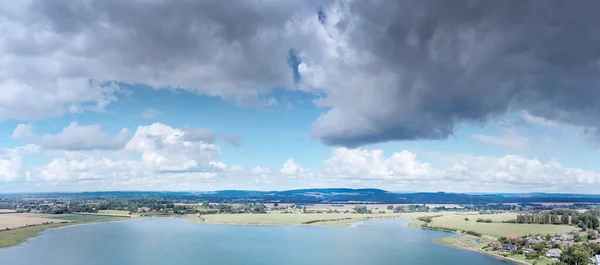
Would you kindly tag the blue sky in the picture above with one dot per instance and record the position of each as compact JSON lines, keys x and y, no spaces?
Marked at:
{"x":204,"y":95}
{"x":272,"y":134}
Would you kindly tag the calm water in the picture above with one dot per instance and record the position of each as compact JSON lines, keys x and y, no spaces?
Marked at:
{"x":162,"y":241}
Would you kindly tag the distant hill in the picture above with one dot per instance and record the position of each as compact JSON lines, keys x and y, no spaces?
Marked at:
{"x":336,"y":195}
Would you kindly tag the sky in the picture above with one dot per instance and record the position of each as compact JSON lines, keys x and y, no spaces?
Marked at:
{"x":454,"y":96}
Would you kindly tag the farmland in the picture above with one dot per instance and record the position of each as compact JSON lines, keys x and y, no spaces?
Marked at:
{"x":82,"y":217}
{"x":496,"y":228}
{"x":16,"y":228}
{"x":14,"y":220}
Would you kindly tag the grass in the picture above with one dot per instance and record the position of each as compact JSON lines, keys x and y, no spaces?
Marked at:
{"x":464,"y":241}
{"x":540,"y":261}
{"x":9,"y":238}
{"x":16,"y":236}
{"x":315,"y":219}
{"x":496,"y":228}
{"x":280,"y":219}
{"x":82,"y":217}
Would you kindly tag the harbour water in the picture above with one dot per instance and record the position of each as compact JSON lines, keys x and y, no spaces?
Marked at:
{"x":176,"y":241}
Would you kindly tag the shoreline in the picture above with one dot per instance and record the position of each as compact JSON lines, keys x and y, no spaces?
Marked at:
{"x":21,"y":235}
{"x":473,"y":249}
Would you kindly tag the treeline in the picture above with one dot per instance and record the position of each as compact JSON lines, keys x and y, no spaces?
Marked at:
{"x":148,"y":205}
{"x":427,"y":219}
{"x":586,"y":220}
{"x":452,"y":230}
{"x":409,"y":208}
{"x":237,"y":208}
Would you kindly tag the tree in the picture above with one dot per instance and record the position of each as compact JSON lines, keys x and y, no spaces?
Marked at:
{"x":276,"y":204}
{"x":577,"y":255}
{"x":361,"y":209}
{"x":390,"y":207}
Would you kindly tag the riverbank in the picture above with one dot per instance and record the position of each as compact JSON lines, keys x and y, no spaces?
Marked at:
{"x":17,"y":235}
{"x":473,"y":243}
{"x":476,"y":244}
{"x":498,"y":227}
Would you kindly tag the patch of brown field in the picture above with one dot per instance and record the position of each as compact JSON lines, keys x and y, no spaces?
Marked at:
{"x":5,"y":211}
{"x":15,"y":220}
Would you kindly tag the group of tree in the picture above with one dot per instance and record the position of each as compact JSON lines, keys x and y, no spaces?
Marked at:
{"x":362,"y":209}
{"x":586,"y":220}
{"x":542,"y":218}
{"x":481,"y":220}
{"x":411,"y":208}
{"x":577,"y":255}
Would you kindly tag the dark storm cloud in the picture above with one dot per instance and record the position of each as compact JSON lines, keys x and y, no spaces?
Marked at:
{"x":384,"y":70}
{"x":465,"y":61}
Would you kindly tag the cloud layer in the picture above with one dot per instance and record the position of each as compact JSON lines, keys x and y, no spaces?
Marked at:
{"x":159,"y":156}
{"x":74,"y":137}
{"x":385,"y":70}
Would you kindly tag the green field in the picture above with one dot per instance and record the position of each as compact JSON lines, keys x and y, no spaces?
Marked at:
{"x":82,"y":217}
{"x":464,"y":241}
{"x":540,"y":261}
{"x":17,"y":236}
{"x":496,"y":228}
{"x":275,"y":218}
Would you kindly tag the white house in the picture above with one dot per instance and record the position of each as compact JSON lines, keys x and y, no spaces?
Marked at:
{"x":554,"y":253}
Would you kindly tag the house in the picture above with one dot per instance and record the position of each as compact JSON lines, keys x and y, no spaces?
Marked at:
{"x":511,"y":237}
{"x":495,"y":245}
{"x":566,"y":244}
{"x":554,"y":253}
{"x":509,"y":247}
{"x":527,"y":250}
{"x":596,"y":260}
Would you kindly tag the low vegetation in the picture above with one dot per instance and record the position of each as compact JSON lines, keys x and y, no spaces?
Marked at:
{"x":14,"y":237}
{"x":496,"y":227}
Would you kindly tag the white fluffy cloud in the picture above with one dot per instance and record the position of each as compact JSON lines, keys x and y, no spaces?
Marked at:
{"x":357,"y":168}
{"x":372,"y":164}
{"x":74,"y":137}
{"x":11,"y":161}
{"x":10,"y":168}
{"x":403,"y":170}
{"x":165,"y":148}
{"x":86,"y":169}
{"x":162,"y":150}
{"x":291,"y":168}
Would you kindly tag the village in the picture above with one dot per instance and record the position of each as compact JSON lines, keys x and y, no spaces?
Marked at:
{"x":551,"y":247}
